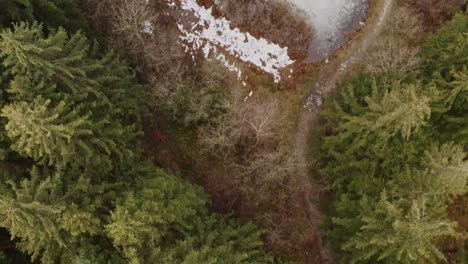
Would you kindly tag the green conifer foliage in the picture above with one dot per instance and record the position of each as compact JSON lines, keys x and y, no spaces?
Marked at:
{"x":368,"y":130}
{"x":402,"y":138}
{"x":445,"y":58}
{"x":452,"y":120}
{"x":448,"y":168}
{"x":216,"y":240}
{"x":165,"y":219}
{"x":51,"y":135}
{"x":44,"y":218}
{"x":75,"y":116}
{"x":34,"y":222}
{"x":399,"y":111}
{"x":394,"y":233}
{"x":53,"y":13}
{"x":4,"y":140}
{"x":43,"y":65}
{"x":160,"y":209}
{"x":446,"y":51}
{"x":15,"y":10}
{"x":100,"y":93}
{"x":58,"y":66}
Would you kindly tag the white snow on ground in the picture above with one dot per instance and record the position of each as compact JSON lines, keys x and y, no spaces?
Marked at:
{"x":148,"y":27}
{"x":171,"y":3}
{"x":230,"y":66}
{"x":209,"y":32}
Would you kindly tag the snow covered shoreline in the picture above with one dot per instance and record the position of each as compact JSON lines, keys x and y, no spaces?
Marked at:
{"x":215,"y":38}
{"x":209,"y":34}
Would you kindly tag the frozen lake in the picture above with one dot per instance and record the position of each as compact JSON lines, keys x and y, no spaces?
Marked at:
{"x":332,"y":20}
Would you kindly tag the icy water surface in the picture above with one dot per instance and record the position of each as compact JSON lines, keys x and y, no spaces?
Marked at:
{"x":332,"y":21}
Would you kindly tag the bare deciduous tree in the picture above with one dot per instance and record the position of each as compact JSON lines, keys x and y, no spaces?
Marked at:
{"x":390,"y":55}
{"x":268,"y":175}
{"x":263,"y":168}
{"x":397,"y":46}
{"x":154,"y":52}
{"x":251,"y":122}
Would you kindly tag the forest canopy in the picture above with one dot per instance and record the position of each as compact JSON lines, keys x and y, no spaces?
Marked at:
{"x":394,"y":147}
{"x":75,"y":185}
{"x":118,"y":145}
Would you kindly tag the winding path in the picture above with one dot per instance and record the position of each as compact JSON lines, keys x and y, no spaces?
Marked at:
{"x":309,"y":113}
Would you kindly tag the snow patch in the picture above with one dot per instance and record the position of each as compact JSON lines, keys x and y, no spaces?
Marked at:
{"x":315,"y":100}
{"x":148,"y":27}
{"x":209,"y":32}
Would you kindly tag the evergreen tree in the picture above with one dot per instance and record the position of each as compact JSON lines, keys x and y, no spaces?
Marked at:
{"x":216,"y":240}
{"x":45,"y":219}
{"x":53,"y":13}
{"x":53,"y":65}
{"x":444,"y":58}
{"x":165,"y":219}
{"x":106,"y":101}
{"x":447,"y":168}
{"x":399,"y":111}
{"x":367,"y":131}
{"x":49,"y":135}
{"x":57,"y":66}
{"x":4,"y":141}
{"x":158,"y":208}
{"x":405,"y":135}
{"x":15,"y":10}
{"x":394,"y":233}
{"x":451,"y":121}
{"x":446,"y":51}
{"x":75,"y":116}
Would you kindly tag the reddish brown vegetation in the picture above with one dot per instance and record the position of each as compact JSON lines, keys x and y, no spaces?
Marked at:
{"x":435,"y":12}
{"x":157,"y":135}
{"x":458,"y":211}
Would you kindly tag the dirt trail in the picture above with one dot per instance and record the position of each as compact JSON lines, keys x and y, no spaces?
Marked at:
{"x":309,"y":113}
